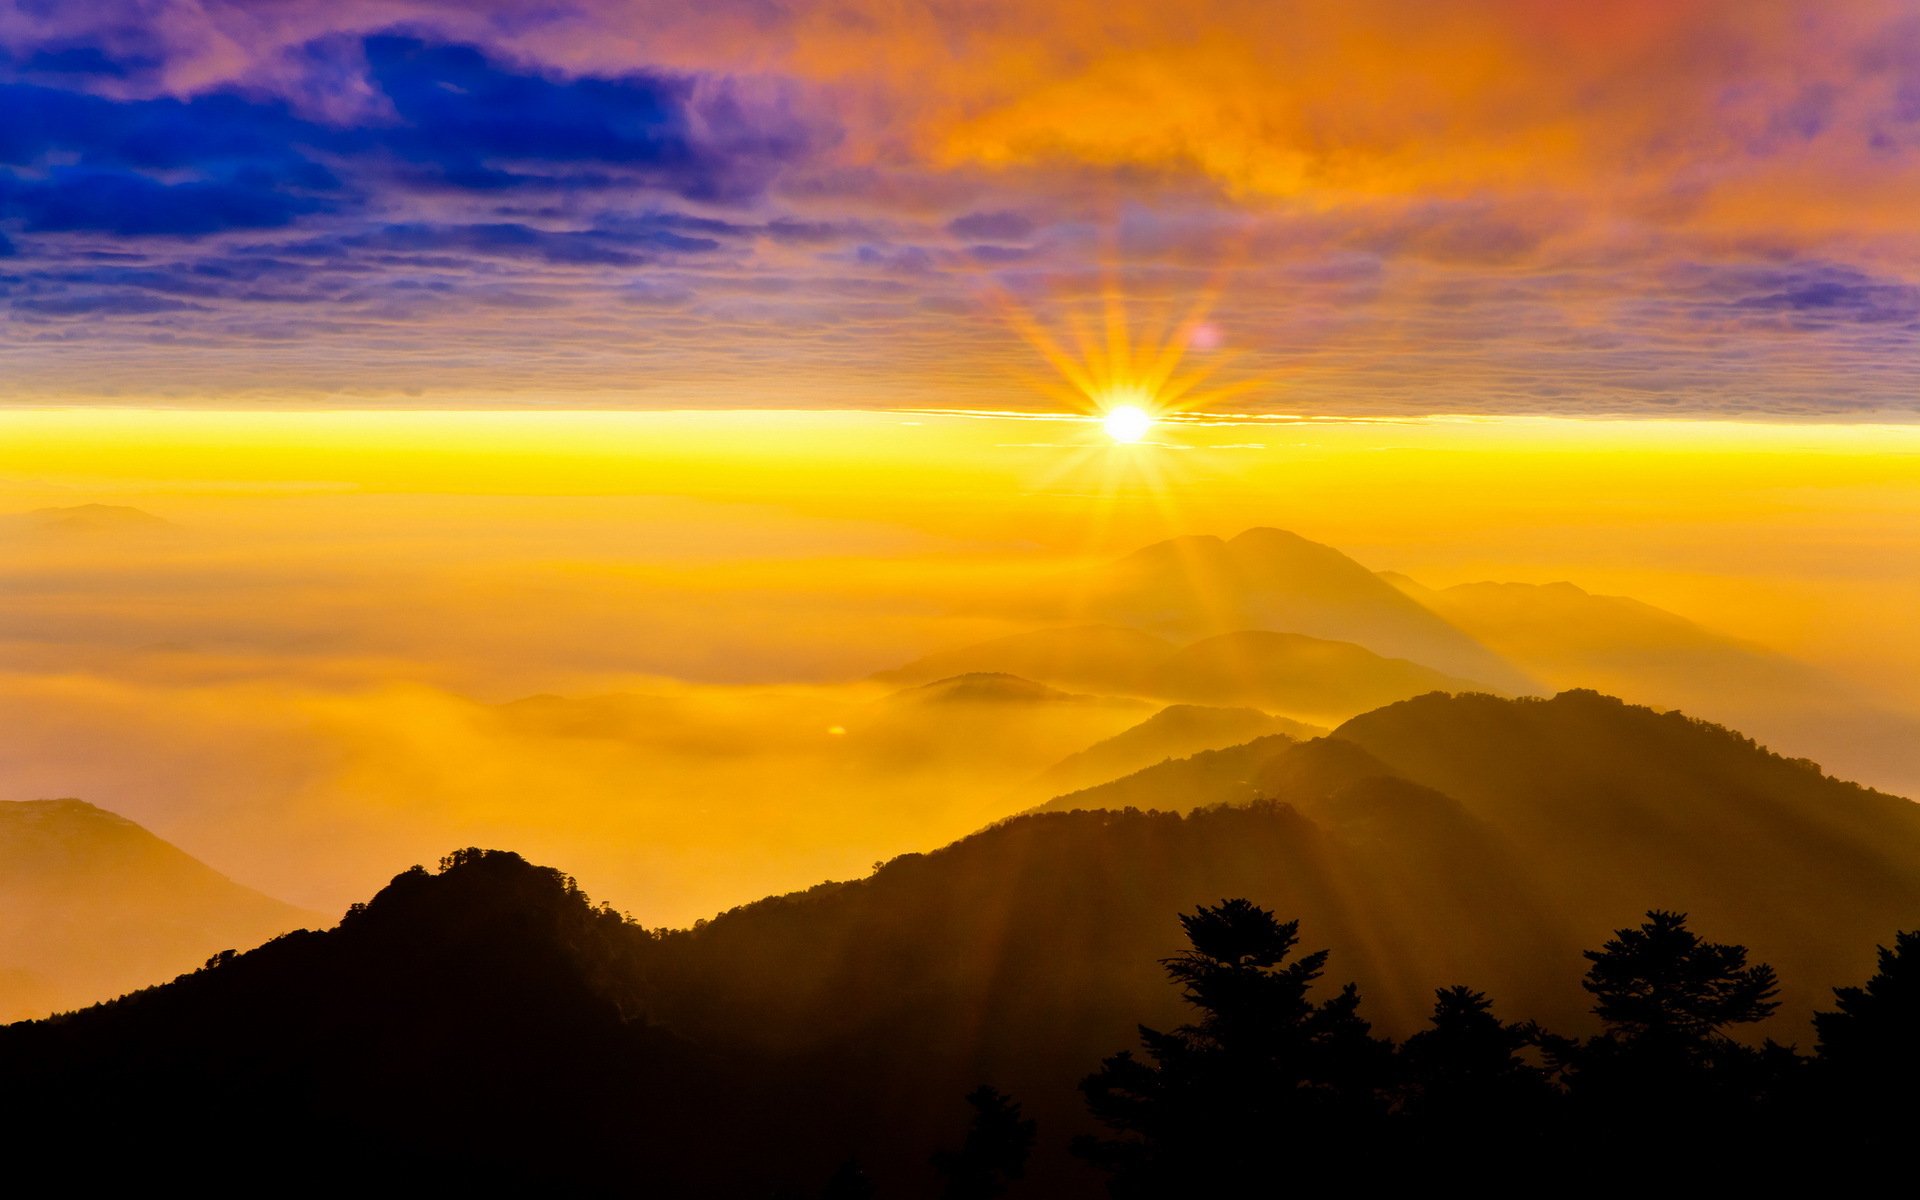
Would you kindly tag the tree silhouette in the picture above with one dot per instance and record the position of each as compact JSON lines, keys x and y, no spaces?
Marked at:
{"x":1467,"y":1062}
{"x":994,"y":1153}
{"x":1262,"y":1066}
{"x":1661,"y":984}
{"x":1667,"y":998}
{"x":1869,"y":1050}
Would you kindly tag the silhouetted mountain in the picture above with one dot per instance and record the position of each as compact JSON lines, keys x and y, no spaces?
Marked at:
{"x":1572,"y":638}
{"x":489,"y":1018}
{"x":473,"y":1026}
{"x":92,"y":905}
{"x":1607,"y":805}
{"x":1174,"y":732}
{"x":1607,"y":801}
{"x":1269,"y":579}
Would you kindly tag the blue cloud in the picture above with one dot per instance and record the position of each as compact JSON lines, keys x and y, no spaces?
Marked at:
{"x":1825,"y":293}
{"x":472,"y":123}
{"x":509,"y":240}
{"x":451,"y":118}
{"x":991,"y":227}
{"x":96,"y":304}
{"x":130,"y":204}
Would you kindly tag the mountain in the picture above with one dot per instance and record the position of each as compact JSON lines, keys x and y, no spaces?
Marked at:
{"x":1305,"y":677}
{"x":1572,"y":638}
{"x":1228,"y":775}
{"x":1174,"y":732}
{"x":487,"y":1024}
{"x":471,"y":1027}
{"x":1612,"y":808}
{"x":1614,"y":805}
{"x":1269,"y":579}
{"x":988,"y":724}
{"x":1312,"y":677}
{"x":88,"y":520}
{"x":92,"y":905}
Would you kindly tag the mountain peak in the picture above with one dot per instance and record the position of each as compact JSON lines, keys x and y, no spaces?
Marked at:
{"x":1260,"y":537}
{"x":1275,"y":580}
{"x":92,"y":904}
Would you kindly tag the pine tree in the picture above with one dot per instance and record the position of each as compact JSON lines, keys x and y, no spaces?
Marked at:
{"x":1264,"y":1066}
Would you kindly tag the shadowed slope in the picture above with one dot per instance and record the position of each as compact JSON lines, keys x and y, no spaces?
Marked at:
{"x":471,"y":1025}
{"x":1615,"y":806}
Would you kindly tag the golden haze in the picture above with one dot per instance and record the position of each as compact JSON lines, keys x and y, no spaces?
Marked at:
{"x":308,"y":675}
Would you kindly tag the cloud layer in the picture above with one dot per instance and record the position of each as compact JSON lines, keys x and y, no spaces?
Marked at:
{"x":1506,"y":205}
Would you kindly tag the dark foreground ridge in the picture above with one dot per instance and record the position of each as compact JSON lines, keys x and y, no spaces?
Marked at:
{"x":488,"y":1027}
{"x":487,"y":1024}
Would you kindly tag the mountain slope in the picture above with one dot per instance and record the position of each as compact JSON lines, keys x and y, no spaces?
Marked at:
{"x":92,"y":905}
{"x":1227,"y":775}
{"x":1572,"y":638}
{"x":472,"y":1026}
{"x":489,"y":1018}
{"x":1312,"y":678}
{"x":1269,"y":579}
{"x":1174,"y":732}
{"x":1615,"y":805}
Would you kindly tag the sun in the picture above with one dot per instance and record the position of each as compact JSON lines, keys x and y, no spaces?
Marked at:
{"x":1127,"y":422}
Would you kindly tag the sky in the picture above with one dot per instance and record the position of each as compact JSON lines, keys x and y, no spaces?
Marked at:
{"x":1375,"y":207}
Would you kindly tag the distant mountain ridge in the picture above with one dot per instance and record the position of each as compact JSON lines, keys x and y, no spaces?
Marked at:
{"x":92,"y":905}
{"x":1573,"y":638}
{"x":1313,"y":678}
{"x":1273,"y":580}
{"x":88,"y":519}
{"x":1174,"y":732}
